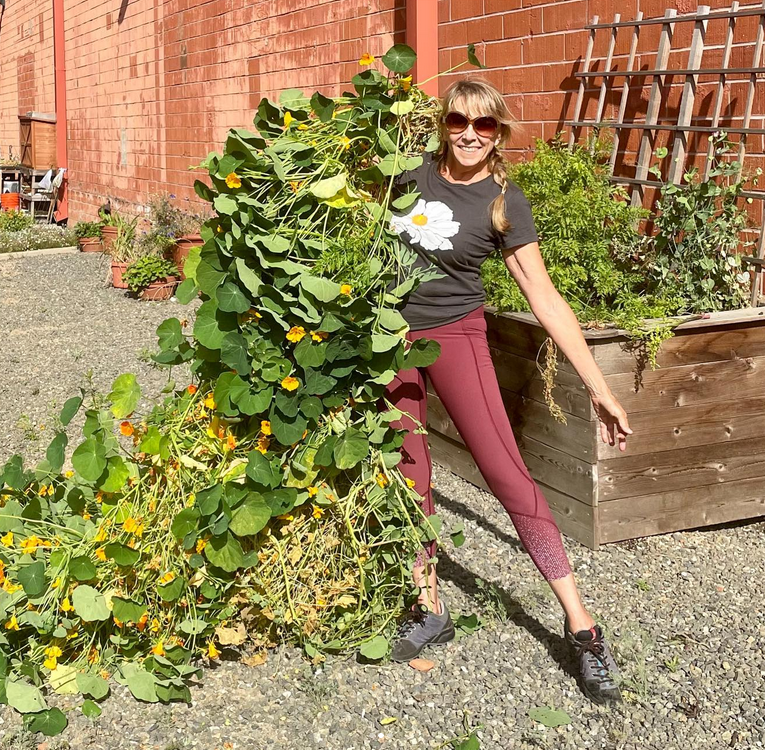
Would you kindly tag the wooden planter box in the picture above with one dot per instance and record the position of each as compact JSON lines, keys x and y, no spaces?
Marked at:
{"x":697,"y":455}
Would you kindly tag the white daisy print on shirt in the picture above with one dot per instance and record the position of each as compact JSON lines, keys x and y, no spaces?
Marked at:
{"x":429,"y":223}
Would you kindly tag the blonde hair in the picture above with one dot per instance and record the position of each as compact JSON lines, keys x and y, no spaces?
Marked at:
{"x":480,"y":97}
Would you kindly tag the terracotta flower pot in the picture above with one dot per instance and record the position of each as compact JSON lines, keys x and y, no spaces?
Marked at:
{"x":108,"y":235}
{"x":160,"y":290}
{"x":90,"y":245}
{"x":117,"y":270}
{"x":180,"y":251}
{"x":10,"y":201}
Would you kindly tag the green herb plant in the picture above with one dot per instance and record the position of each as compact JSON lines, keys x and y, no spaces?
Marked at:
{"x":142,"y":272}
{"x":15,"y":221}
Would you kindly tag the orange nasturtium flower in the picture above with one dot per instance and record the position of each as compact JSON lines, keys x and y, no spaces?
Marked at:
{"x":265,"y":427}
{"x":126,"y":428}
{"x":345,"y":290}
{"x":231,"y":442}
{"x":319,"y":335}
{"x":141,"y":624}
{"x":167,"y":577}
{"x":233,"y":180}
{"x":382,"y":480}
{"x":295,"y":334}
{"x":290,"y":384}
{"x":263,"y":443}
{"x":366,"y":59}
{"x":192,"y":389}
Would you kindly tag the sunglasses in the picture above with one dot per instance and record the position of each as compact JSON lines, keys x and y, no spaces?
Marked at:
{"x":485,"y":126}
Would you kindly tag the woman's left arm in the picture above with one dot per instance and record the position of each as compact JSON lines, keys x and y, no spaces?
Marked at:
{"x":553,"y":312}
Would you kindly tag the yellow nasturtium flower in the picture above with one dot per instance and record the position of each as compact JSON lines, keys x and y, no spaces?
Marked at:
{"x":7,"y":539}
{"x":265,"y":427}
{"x":318,"y":511}
{"x":53,"y":651}
{"x":210,"y":401}
{"x":319,"y":335}
{"x":290,"y":384}
{"x":410,"y":483}
{"x":233,"y":181}
{"x":346,"y":141}
{"x":295,"y":334}
{"x":12,"y":624}
{"x":382,"y":480}
{"x":159,"y":649}
{"x":212,"y":652}
{"x":288,"y":118}
{"x":366,"y":59}
{"x":66,"y":605}
{"x":406,"y":83}
{"x":263,"y":443}
{"x":51,"y":663}
{"x":312,"y":491}
{"x":345,"y":290}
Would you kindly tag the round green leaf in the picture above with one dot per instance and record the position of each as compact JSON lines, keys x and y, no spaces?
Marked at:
{"x":323,"y":289}
{"x":549,"y":717}
{"x":375,"y":648}
{"x":55,"y":452}
{"x":125,"y":395}
{"x":126,"y":610}
{"x":93,"y":685}
{"x":172,"y":591}
{"x":225,"y":204}
{"x":250,"y":517}
{"x":32,"y":579}
{"x":63,"y":679}
{"x":116,"y":476}
{"x":90,"y":604}
{"x":184,"y":523}
{"x":91,"y":709}
{"x":121,"y":554}
{"x":169,"y":334}
{"x":71,"y":407}
{"x":231,"y":298}
{"x":193,"y":627}
{"x":50,"y":722}
{"x":142,"y":684}
{"x":351,"y":448}
{"x":225,"y":552}
{"x":24,"y":697}
{"x":89,"y":459}
{"x":403,"y":107}
{"x":82,"y":568}
{"x":400,"y":58}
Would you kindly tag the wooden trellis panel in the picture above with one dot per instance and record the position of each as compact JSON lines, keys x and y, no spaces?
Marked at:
{"x":685,"y":122}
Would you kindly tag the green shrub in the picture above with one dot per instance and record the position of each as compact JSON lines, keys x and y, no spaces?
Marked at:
{"x":84,"y":229}
{"x":143,"y":271}
{"x":15,"y":221}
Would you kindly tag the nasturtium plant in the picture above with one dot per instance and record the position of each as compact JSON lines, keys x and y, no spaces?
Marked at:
{"x":263,"y":499}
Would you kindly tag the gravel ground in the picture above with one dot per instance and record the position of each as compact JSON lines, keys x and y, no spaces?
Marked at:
{"x":684,"y":611}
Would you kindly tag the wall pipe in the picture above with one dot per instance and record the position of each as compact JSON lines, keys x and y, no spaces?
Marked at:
{"x":59,"y":59}
{"x":422,"y":37}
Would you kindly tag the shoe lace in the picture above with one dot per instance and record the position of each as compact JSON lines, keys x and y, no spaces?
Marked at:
{"x":412,"y":619}
{"x":596,"y":655}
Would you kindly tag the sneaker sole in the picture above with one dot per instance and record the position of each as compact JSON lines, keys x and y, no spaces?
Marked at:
{"x":442,"y":640}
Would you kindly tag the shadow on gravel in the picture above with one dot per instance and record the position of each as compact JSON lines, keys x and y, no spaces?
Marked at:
{"x":450,"y":570}
{"x":462,"y":510}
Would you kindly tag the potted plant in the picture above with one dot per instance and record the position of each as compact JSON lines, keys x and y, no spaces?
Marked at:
{"x":173,"y":232}
{"x":109,"y":227}
{"x":123,"y":250}
{"x":88,"y":235}
{"x":153,"y":277}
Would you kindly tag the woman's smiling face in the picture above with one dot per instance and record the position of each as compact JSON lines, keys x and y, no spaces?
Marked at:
{"x":467,"y":147}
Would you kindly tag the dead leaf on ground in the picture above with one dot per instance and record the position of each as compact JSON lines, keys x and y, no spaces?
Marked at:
{"x":422,"y":665}
{"x":231,"y":636}
{"x":255,"y":660}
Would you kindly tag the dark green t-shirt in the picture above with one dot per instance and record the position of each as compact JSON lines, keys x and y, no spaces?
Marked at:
{"x":450,"y":227}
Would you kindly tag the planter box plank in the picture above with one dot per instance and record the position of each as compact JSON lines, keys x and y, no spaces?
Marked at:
{"x":690,"y":384}
{"x":698,"y":421}
{"x":632,"y":476}
{"x":705,"y":424}
{"x":683,"y":509}
{"x":689,"y":347}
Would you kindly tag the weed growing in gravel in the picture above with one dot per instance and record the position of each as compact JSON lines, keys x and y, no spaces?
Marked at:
{"x":19,"y":739}
{"x":672,"y":664}
{"x":468,"y":740}
{"x":30,"y":431}
{"x":636,"y":649}
{"x":489,"y":597}
{"x":318,"y":687}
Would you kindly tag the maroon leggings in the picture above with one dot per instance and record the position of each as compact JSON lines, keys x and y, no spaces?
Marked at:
{"x":465,"y":381}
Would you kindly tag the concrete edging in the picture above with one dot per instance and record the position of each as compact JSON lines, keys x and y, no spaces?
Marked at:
{"x":44,"y":251}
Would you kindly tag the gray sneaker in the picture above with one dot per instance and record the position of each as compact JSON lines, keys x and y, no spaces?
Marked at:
{"x":598,"y":673}
{"x":420,"y":628}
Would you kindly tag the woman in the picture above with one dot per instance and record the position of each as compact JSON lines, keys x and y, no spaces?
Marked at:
{"x":468,"y":208}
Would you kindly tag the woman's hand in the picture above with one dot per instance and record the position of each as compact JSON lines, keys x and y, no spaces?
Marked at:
{"x":613,"y":420}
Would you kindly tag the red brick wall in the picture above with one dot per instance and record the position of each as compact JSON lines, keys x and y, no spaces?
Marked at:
{"x":26,"y":66}
{"x":533,"y":48}
{"x":153,"y":85}
{"x":152,"y":93}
